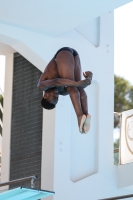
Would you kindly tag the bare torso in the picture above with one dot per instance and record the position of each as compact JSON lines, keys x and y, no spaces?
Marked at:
{"x":51,"y":72}
{"x":62,"y":73}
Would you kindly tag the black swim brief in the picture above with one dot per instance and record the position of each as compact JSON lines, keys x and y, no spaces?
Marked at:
{"x":73,"y":51}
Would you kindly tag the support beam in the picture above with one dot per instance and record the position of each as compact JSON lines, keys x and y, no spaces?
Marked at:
{"x":5,"y":168}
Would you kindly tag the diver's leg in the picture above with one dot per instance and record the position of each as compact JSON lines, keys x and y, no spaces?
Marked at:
{"x":83,"y":96}
{"x":66,"y":65}
{"x":75,"y":98}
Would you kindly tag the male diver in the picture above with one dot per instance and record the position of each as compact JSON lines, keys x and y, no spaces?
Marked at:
{"x":62,"y":76}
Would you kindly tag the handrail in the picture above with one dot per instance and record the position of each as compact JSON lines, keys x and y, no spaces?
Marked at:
{"x":119,"y":197}
{"x":32,"y":178}
{"x":117,"y":113}
{"x":116,"y":150}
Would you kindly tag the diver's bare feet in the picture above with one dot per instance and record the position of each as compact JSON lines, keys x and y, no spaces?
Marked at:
{"x":81,"y":121}
{"x":86,"y":126}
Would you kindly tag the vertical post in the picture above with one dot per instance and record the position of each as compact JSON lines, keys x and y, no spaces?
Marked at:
{"x":48,"y":140}
{"x":5,"y":168}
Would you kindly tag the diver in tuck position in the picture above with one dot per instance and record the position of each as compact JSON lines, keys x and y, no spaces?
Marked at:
{"x":62,"y":76}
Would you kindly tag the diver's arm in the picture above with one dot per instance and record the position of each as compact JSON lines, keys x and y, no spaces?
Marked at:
{"x":59,"y":82}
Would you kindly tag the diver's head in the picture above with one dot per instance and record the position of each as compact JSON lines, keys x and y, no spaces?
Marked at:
{"x":50,"y":99}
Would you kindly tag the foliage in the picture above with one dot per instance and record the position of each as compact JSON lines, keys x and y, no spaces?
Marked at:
{"x":123,"y":96}
{"x":1,"y":99}
{"x":123,"y":100}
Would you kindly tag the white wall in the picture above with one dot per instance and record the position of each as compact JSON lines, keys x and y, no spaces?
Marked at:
{"x":71,"y":179}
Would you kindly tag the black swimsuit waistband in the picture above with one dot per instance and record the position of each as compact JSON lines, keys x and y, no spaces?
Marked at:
{"x":73,"y":51}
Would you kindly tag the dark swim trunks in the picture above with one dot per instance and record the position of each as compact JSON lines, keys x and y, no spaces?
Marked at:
{"x":73,"y":51}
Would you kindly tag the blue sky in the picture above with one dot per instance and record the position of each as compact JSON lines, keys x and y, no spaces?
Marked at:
{"x":123,"y":41}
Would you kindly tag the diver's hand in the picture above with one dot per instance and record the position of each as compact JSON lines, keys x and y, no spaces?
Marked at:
{"x":88,"y":74}
{"x":84,"y":83}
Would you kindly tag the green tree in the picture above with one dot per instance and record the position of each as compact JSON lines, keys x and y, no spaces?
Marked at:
{"x":123,"y":96}
{"x":1,"y":99}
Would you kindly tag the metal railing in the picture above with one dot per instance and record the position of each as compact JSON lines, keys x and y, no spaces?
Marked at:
{"x":116,"y":150}
{"x":119,"y":197}
{"x":117,"y":113}
{"x":32,"y":178}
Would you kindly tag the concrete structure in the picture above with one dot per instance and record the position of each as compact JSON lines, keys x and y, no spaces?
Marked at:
{"x":74,"y":166}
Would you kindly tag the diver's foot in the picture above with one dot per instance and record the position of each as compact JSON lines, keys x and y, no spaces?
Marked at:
{"x":86,"y":126}
{"x":81,"y":121}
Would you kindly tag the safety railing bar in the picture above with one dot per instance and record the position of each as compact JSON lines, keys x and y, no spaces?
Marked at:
{"x":18,"y":180}
{"x":1,"y":108}
{"x":119,"y":197}
{"x":117,"y":113}
{"x":116,"y":150}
